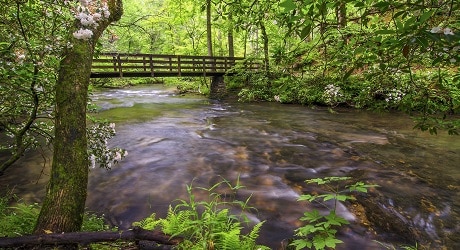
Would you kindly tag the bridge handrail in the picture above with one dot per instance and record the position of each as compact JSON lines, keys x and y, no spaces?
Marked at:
{"x":165,"y":56}
{"x":139,"y":64}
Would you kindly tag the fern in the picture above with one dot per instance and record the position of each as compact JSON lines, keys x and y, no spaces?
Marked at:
{"x":207,"y":224}
{"x":149,"y":223}
{"x":230,"y":240}
{"x":254,"y":234}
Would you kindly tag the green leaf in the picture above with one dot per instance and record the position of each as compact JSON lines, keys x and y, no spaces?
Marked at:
{"x":333,"y":219}
{"x":318,"y":181}
{"x":425,"y":16}
{"x":305,"y":31}
{"x":328,"y":197}
{"x":384,"y":32}
{"x":319,"y":242}
{"x":341,"y":197}
{"x":382,"y":5}
{"x":288,"y":5}
{"x":311,"y":216}
{"x":332,"y":242}
{"x":410,"y":22}
{"x":301,"y":244}
{"x":307,"y":197}
{"x":308,"y":229}
{"x":348,"y":74}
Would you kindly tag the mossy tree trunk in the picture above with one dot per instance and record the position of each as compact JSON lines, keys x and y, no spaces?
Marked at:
{"x":64,"y":204}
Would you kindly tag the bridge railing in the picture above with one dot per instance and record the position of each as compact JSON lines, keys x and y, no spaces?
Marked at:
{"x":145,"y":65}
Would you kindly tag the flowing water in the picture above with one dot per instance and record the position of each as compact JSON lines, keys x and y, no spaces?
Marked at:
{"x":174,"y":141}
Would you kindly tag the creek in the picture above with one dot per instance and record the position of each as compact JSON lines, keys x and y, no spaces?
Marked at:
{"x":176,"y":140}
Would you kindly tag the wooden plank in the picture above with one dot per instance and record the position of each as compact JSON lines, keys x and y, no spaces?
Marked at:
{"x":175,"y":65}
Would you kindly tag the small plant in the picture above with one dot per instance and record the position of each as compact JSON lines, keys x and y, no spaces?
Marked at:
{"x":18,"y":220}
{"x":320,"y":230}
{"x":207,"y":224}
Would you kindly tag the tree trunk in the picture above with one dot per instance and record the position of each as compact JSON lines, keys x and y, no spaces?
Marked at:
{"x":63,"y":207}
{"x":231,"y":48}
{"x":208,"y":27}
{"x":266,"y":51}
{"x":341,"y":13}
{"x":62,"y":210}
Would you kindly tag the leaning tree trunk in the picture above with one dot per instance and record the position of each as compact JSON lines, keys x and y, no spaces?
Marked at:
{"x":64,"y":204}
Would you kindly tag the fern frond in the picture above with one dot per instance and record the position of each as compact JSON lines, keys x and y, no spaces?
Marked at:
{"x":229,"y":240}
{"x":149,"y":223}
{"x":254,"y":234}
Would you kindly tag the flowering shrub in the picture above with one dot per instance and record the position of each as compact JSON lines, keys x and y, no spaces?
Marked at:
{"x":332,"y":94}
{"x":394,"y":96}
{"x":89,"y":12}
{"x":98,"y":150}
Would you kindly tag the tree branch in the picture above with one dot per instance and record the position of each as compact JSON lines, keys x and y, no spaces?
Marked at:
{"x":85,"y":238}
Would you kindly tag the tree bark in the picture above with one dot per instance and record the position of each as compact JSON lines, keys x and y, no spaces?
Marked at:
{"x":208,"y":27}
{"x":341,"y":13}
{"x":63,"y":207}
{"x":86,"y":238}
{"x":266,"y":49}
{"x":231,"y":47}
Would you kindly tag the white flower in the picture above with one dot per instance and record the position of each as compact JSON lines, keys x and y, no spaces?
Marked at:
{"x":117,"y":156}
{"x":436,"y":30}
{"x":88,"y":21}
{"x":83,"y":34}
{"x":21,"y":57}
{"x":448,"y":31}
{"x":92,"y":160}
{"x":97,"y":16}
{"x":85,"y":2}
{"x":452,"y":60}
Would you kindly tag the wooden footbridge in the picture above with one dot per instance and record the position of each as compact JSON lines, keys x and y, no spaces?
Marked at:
{"x":111,"y":65}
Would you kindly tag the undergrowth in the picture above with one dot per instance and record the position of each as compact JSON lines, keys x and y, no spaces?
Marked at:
{"x":208,"y":224}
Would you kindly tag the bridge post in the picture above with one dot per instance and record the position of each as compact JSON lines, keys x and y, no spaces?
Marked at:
{"x":218,"y":88}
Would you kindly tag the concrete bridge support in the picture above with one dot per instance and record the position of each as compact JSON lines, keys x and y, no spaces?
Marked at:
{"x":218,"y":88}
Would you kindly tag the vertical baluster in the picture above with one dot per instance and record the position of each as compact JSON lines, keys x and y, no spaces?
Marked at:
{"x":204,"y":66}
{"x":151,"y":65}
{"x":178,"y":65}
{"x":119,"y":65}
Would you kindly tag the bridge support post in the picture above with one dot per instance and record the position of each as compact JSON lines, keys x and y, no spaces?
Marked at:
{"x":218,"y":88}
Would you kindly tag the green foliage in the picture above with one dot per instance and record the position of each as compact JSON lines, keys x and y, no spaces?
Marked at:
{"x":207,"y":224}
{"x":95,"y":223}
{"x":320,"y":230}
{"x":406,"y":53}
{"x":18,"y":220}
{"x":30,"y":49}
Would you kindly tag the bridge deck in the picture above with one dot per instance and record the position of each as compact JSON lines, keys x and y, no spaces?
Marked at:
{"x":149,"y":65}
